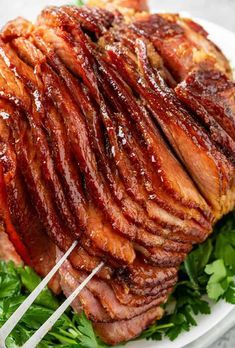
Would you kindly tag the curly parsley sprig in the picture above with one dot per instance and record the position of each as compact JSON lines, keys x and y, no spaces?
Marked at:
{"x":71,"y":330}
{"x":208,"y":272}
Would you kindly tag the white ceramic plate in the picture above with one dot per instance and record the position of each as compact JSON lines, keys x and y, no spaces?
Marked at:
{"x":226,"y":41}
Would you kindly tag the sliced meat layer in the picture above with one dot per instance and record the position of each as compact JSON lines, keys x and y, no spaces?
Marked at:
{"x":100,"y":191}
{"x":127,"y":297}
{"x":116,"y":310}
{"x":185,"y":136}
{"x":94,"y":311}
{"x":97,"y":144}
{"x":86,"y":300}
{"x":121,"y":331}
{"x":6,"y":223}
{"x":130,"y":209}
{"x":26,"y":159}
{"x":52,"y":40}
{"x":93,"y":216}
{"x":210,"y":95}
{"x":40,"y":249}
{"x":144,"y":275}
{"x":35,"y":111}
{"x":182,"y":44}
{"x":7,"y":250}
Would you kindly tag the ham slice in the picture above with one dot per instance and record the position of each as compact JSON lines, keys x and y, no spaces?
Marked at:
{"x":124,"y":330}
{"x":99,"y":144}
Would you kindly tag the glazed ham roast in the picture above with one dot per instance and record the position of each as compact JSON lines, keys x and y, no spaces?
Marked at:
{"x":117,"y":130}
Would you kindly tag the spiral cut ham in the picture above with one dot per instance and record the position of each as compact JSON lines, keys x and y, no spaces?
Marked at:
{"x":117,"y":130}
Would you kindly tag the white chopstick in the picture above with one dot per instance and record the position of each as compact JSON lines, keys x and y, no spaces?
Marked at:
{"x":7,"y":328}
{"x":43,"y":330}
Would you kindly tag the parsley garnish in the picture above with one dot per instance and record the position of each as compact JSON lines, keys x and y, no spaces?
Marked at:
{"x":208,"y":271}
{"x":71,"y":330}
{"x":79,"y":3}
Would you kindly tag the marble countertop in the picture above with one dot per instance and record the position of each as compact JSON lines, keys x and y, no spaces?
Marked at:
{"x":222,"y":336}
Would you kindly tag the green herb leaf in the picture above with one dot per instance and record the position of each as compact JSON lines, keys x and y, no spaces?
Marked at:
{"x":79,"y":3}
{"x":208,"y":269}
{"x":229,"y":295}
{"x":9,"y":280}
{"x":197,"y":260}
{"x":71,"y":330}
{"x":31,"y":280}
{"x":89,"y":339}
{"x":219,"y":281}
{"x":225,"y":248}
{"x":9,"y":286}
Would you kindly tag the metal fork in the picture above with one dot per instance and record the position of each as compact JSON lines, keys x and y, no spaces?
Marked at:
{"x":10,"y":324}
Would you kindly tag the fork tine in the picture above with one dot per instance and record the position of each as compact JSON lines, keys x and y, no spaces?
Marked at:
{"x":43,"y":330}
{"x":7,"y":328}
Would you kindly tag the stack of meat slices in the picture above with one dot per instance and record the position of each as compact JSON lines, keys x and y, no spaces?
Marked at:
{"x":118,"y":132}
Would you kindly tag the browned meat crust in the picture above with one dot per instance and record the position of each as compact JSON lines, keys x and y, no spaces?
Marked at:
{"x":210,"y":95}
{"x":96,"y":137}
{"x":40,"y":249}
{"x":182,"y":44}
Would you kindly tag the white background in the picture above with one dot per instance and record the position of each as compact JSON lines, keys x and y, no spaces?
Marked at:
{"x":221,"y":12}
